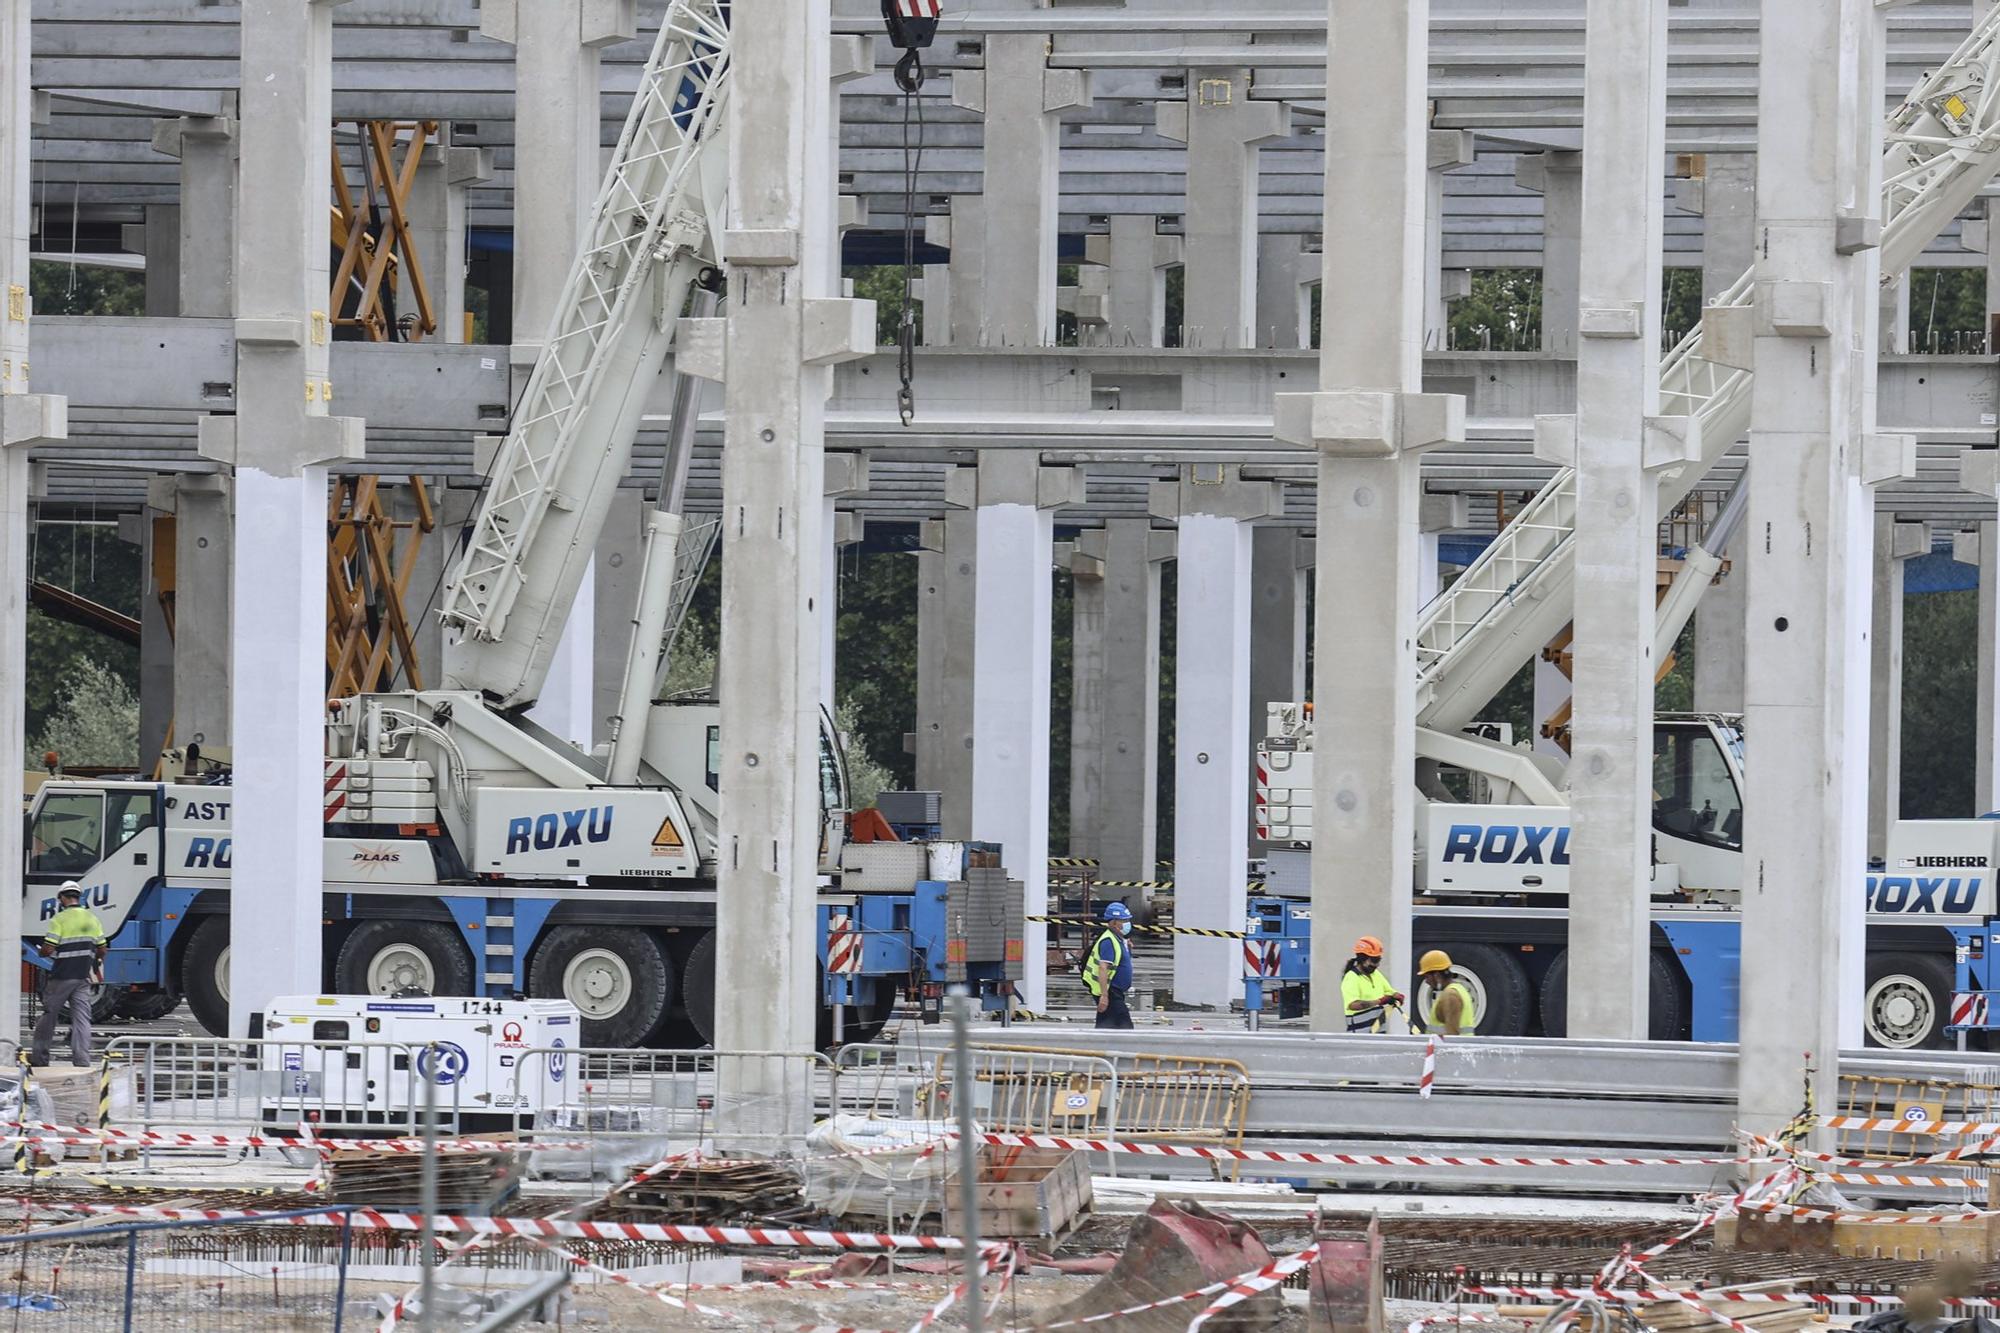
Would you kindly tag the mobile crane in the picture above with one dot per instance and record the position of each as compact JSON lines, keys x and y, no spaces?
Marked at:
{"x":1493,"y":820}
{"x":469,"y":851}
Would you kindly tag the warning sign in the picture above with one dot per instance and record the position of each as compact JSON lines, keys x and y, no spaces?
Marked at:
{"x":668,"y":840}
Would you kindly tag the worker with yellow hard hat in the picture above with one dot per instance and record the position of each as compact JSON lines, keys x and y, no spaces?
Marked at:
{"x":1366,"y":996}
{"x":1451,"y":1011}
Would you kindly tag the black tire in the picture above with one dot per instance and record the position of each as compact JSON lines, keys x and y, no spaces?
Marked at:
{"x":698,"y":987}
{"x":1499,"y":986}
{"x":1908,"y":1000}
{"x":145,"y":1004}
{"x":1666,"y":1007}
{"x":382,"y":957}
{"x":675,"y":1031}
{"x":204,"y":977}
{"x":621,"y":980}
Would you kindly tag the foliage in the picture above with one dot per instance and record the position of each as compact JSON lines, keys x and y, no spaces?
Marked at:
{"x":866,"y":779}
{"x":691,"y":661}
{"x":876,"y":657}
{"x":883,"y":284}
{"x":1939,"y":702}
{"x":85,"y":289}
{"x":1502,"y":312}
{"x":87,"y":559}
{"x":1947,"y":309}
{"x":96,"y":720}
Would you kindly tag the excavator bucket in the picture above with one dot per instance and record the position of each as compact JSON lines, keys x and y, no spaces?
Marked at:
{"x":1174,"y":1247}
{"x":1346,"y":1276}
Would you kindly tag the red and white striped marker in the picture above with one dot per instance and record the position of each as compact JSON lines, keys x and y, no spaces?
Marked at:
{"x":1430,"y":1066}
{"x":843,"y":946}
{"x":1324,"y":1158}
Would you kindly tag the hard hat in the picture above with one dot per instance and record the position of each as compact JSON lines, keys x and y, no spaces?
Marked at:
{"x":70,"y":886}
{"x":1117,"y":912}
{"x":1368,"y":947}
{"x":1437,"y":960}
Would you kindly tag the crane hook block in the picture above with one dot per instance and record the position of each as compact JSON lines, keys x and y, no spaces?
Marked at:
{"x":912,"y":23}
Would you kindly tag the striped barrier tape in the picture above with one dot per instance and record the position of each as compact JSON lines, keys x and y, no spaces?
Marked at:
{"x":1907,"y":1182}
{"x":1876,"y":1124}
{"x":1429,"y":1076}
{"x":1826,"y":1215}
{"x":1324,"y":1159}
{"x":1707,"y":1294}
{"x":1959,"y":1154}
{"x":1456,"y":1318}
{"x":1242,"y":1289}
{"x":1138,"y":929}
{"x":1073,"y":862}
{"x":79,"y":1136}
{"x":367,"y":1219}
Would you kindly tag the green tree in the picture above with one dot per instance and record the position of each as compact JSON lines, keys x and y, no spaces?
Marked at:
{"x":87,"y":559}
{"x":691,"y":660}
{"x":866,"y":779}
{"x":1939,"y":700}
{"x":1501,"y":313}
{"x":1947,"y":309}
{"x":85,"y":289}
{"x":95,"y":723}
{"x":883,"y":284}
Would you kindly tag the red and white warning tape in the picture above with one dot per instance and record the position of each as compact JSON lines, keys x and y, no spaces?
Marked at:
{"x":1958,"y":1154}
{"x":1878,"y":1125}
{"x":1430,"y":1073}
{"x":1708,"y":1294}
{"x":1324,"y":1159}
{"x":528,"y":1227}
{"x":1824,"y":1215}
{"x":1243,"y":1288}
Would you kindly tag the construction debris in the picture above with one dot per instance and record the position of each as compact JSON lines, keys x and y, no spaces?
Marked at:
{"x":712,"y":1193}
{"x":1177,"y":1247}
{"x":465,"y":1181}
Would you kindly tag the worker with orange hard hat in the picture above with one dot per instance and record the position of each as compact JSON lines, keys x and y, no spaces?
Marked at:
{"x":1365,"y":994}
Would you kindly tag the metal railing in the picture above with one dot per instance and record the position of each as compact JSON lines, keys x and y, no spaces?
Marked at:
{"x":629,"y":1107}
{"x":225,"y":1086}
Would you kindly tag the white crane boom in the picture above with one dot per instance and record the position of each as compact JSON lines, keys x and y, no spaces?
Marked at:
{"x":649,"y":237}
{"x":1941,"y":146}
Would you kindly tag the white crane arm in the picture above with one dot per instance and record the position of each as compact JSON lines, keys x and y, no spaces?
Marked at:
{"x":1941,"y":146}
{"x":649,"y":236}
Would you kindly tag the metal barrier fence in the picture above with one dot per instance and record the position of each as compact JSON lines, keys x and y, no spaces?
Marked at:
{"x":220,"y":1085}
{"x":130,"y":1277}
{"x":635,"y":1107}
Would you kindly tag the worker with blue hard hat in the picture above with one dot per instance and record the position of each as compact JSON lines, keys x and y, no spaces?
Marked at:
{"x":1107,"y":972}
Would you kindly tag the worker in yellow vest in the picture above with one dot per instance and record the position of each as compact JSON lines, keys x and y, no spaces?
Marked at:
{"x":1444,"y":1000}
{"x":1366,"y":996}
{"x":75,"y":944}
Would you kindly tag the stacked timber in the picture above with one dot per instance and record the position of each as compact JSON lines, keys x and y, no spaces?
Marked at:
{"x":465,"y":1181}
{"x":713,"y":1192}
{"x":1765,"y":1315}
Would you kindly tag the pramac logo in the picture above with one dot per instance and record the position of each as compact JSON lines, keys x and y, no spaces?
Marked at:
{"x":565,"y":828}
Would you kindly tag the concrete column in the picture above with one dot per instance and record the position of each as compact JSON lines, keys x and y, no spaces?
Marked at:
{"x":782,"y":333}
{"x":1023,"y":101}
{"x":1894,"y":543}
{"x":1215,"y":510}
{"x":204,"y":576}
{"x":156,"y":645}
{"x":1817,"y":130}
{"x":948,"y":321}
{"x":1558,"y":178}
{"x":279,"y":443}
{"x":1287,"y":269}
{"x":1369,"y":422}
{"x":926,"y":742}
{"x":947,"y":628}
{"x":1718,"y":637}
{"x":453,"y":508}
{"x":1448,"y":149}
{"x":26,"y":420}
{"x":1280,"y":563}
{"x":436,"y":215}
{"x":1894,"y":315}
{"x":206,"y":254}
{"x":1114,"y":721}
{"x":1135,"y":258}
{"x":1725,"y":197}
{"x":615,"y":596}
{"x":1617,"y":402}
{"x":1013,"y":500}
{"x":1222,"y":128}
{"x":846,"y":476}
{"x":159,"y":239}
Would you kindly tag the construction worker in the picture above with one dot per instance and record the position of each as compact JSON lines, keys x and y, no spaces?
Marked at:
{"x":1451,"y":1010}
{"x":1107,"y":972}
{"x":1365,"y":994}
{"x":75,"y":941}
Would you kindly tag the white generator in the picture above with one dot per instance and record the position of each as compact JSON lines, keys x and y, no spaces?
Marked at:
{"x":352,"y":1061}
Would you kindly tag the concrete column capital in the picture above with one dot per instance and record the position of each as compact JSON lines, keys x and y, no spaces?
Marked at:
{"x":1450,"y":148}
{"x":598,"y":22}
{"x":1886,"y":457}
{"x":28,"y":419}
{"x":170,"y":136}
{"x":1098,"y":247}
{"x":311,"y":440}
{"x":1220,"y":98}
{"x":1534,"y":171}
{"x":1979,"y":472}
{"x":1443,"y":513}
{"x":851,"y":56}
{"x":1901,"y":539}
{"x":849,"y":529}
{"x":1367,"y":423}
{"x":1217,"y":490}
{"x":1094,"y":544}
{"x":1013,"y":476}
{"x":846,"y":473}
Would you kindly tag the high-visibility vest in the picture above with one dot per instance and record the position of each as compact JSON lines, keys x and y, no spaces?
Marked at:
{"x":1468,"y":1014}
{"x":1095,"y":979}
{"x":74,"y":937}
{"x":1365,"y":986}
